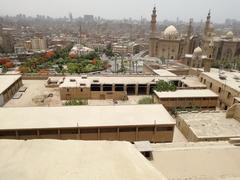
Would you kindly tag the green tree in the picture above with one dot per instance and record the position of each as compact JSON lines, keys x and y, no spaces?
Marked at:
{"x":162,"y":86}
{"x":146,"y":100}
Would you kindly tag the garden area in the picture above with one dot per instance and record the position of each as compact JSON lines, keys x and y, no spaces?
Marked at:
{"x":61,"y":62}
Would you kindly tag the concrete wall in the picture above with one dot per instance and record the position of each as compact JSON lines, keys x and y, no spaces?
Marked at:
{"x":1,"y":100}
{"x":11,"y":90}
{"x":226,"y":94}
{"x":234,"y":112}
{"x":186,"y":103}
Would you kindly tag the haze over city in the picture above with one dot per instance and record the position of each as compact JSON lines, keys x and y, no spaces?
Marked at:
{"x":112,"y":9}
{"x":138,"y":89}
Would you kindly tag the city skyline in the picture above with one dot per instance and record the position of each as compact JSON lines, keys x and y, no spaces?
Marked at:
{"x":135,"y":9}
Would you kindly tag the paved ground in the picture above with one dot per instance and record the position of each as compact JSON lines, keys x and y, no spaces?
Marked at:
{"x":36,"y":91}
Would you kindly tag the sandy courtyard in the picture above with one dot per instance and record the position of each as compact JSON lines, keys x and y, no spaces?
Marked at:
{"x":36,"y":89}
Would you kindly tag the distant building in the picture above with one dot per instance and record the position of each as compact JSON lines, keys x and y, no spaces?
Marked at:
{"x":168,"y":44}
{"x":88,"y":18}
{"x":6,"y":41}
{"x":39,"y":44}
{"x":79,"y":50}
{"x":198,"y":60}
{"x":126,"y":48}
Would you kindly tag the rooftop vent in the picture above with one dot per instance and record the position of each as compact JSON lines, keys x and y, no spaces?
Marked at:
{"x":95,"y":80}
{"x":84,"y":76}
{"x":72,"y":80}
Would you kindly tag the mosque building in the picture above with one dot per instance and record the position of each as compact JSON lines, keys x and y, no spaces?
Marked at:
{"x":169,"y":44}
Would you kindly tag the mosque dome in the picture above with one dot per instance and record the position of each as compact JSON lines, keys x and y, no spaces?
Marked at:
{"x":211,"y":27}
{"x":229,"y":35}
{"x":197,"y":50}
{"x":170,"y":31}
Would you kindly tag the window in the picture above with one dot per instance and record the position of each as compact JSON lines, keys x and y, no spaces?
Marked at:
{"x":204,"y":81}
{"x":165,"y":129}
{"x":219,"y":90}
{"x":229,"y":94}
{"x":210,"y":86}
{"x":67,"y":90}
{"x":201,"y":79}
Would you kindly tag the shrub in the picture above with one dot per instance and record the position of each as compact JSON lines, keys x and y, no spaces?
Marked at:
{"x":146,"y":100}
{"x":75,"y":102}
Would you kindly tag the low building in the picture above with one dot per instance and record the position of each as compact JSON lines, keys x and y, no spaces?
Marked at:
{"x":117,"y":87}
{"x":187,"y":99}
{"x":9,"y":85}
{"x":208,"y":126}
{"x":225,"y":84}
{"x":126,"y":123}
{"x":71,"y":160}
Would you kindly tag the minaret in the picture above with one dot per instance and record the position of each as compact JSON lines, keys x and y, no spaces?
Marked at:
{"x":188,"y":37}
{"x":207,"y":25}
{"x":154,"y":21}
{"x":190,"y":28}
{"x":1,"y":29}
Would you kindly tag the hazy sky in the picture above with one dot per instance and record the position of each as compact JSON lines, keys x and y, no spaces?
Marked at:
{"x":118,"y":9}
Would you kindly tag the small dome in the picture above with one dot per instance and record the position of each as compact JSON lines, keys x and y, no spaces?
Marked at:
{"x":170,"y":31}
{"x":211,"y":27}
{"x":197,"y":50}
{"x":229,"y":35}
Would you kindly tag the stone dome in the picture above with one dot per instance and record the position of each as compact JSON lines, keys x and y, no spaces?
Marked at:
{"x":229,"y":35}
{"x":211,"y":27}
{"x":170,"y":31}
{"x":197,"y":50}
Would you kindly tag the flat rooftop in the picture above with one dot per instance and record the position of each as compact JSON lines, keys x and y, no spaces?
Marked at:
{"x":197,"y":161}
{"x":70,"y":81}
{"x":232,"y":78}
{"x":187,"y":93}
{"x":193,"y":82}
{"x":83,"y":116}
{"x":71,"y":160}
{"x":75,"y":81}
{"x":163,"y":72}
{"x":212,"y":124}
{"x":6,"y":81}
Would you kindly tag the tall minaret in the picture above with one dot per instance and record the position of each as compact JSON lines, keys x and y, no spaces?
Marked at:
{"x":153,"y":41}
{"x":188,"y":37}
{"x":1,"y":29}
{"x":154,"y":21}
{"x":207,"y":25}
{"x":190,"y":28}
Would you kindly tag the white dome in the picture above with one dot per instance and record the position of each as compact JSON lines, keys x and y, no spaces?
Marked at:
{"x":197,"y":50}
{"x":229,"y":35}
{"x":211,"y":27}
{"x":170,"y":31}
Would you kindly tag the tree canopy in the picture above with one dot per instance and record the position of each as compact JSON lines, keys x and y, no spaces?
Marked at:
{"x":162,"y":86}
